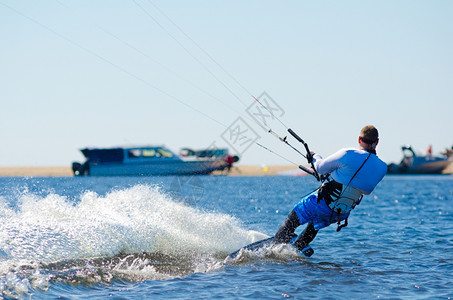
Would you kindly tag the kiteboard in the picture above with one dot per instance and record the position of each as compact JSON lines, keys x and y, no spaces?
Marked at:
{"x":307,"y":251}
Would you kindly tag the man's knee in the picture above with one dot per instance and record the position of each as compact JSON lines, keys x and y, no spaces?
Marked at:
{"x":286,"y":231}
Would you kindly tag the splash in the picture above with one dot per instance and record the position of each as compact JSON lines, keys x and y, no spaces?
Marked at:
{"x":136,"y":233}
{"x":273,"y":252}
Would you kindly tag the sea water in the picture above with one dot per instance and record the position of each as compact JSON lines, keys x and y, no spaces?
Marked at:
{"x":168,"y":237}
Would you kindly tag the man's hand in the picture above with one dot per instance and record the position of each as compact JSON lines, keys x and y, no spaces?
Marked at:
{"x":310,"y":157}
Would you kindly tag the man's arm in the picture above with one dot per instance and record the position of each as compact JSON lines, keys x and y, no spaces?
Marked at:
{"x":329,"y":164}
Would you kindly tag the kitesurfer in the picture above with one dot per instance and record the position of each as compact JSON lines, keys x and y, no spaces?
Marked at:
{"x":350,"y":173}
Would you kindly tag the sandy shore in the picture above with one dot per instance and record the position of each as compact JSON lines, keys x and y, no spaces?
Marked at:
{"x":247,"y":170}
{"x":449,"y":169}
{"x":244,"y":170}
{"x":36,"y":171}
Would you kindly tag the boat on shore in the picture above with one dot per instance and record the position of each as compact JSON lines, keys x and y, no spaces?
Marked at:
{"x":151,"y":161}
{"x":413,"y":163}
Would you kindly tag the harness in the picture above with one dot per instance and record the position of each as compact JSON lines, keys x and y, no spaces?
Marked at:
{"x":341,"y":199}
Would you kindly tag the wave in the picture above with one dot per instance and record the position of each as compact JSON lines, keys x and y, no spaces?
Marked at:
{"x":135,"y":233}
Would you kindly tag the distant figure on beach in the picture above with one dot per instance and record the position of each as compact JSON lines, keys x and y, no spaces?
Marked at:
{"x":230,"y":160}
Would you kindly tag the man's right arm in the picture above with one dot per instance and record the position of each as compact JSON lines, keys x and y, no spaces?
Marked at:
{"x":329,"y":164}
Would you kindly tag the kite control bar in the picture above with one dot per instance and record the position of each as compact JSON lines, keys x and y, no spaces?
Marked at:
{"x":309,"y":155}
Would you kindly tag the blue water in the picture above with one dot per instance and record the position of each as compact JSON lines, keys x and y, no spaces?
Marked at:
{"x":168,"y":237}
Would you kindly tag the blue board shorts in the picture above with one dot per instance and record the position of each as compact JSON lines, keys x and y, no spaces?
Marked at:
{"x":308,"y":210}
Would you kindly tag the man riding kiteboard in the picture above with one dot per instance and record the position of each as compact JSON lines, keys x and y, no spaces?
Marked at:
{"x":349,"y":174}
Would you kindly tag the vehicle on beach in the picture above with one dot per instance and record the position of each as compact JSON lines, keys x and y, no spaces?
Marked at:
{"x":413,"y":163}
{"x":151,"y":161}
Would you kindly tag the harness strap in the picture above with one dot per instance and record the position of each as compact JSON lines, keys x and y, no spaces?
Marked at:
{"x":338,"y":211}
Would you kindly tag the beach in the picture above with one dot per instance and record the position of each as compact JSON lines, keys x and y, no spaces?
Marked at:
{"x":239,"y":170}
{"x":53,"y":171}
{"x":63,"y":171}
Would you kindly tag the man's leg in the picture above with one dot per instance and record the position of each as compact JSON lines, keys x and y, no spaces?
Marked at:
{"x":306,"y":237}
{"x":286,"y":231}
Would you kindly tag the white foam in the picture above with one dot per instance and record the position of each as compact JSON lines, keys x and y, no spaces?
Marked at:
{"x":134,"y":220}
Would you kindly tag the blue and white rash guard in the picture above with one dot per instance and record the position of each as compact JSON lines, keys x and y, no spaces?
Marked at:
{"x":343,"y":164}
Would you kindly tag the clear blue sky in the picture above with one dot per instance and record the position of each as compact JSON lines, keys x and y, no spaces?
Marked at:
{"x":104,"y":73}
